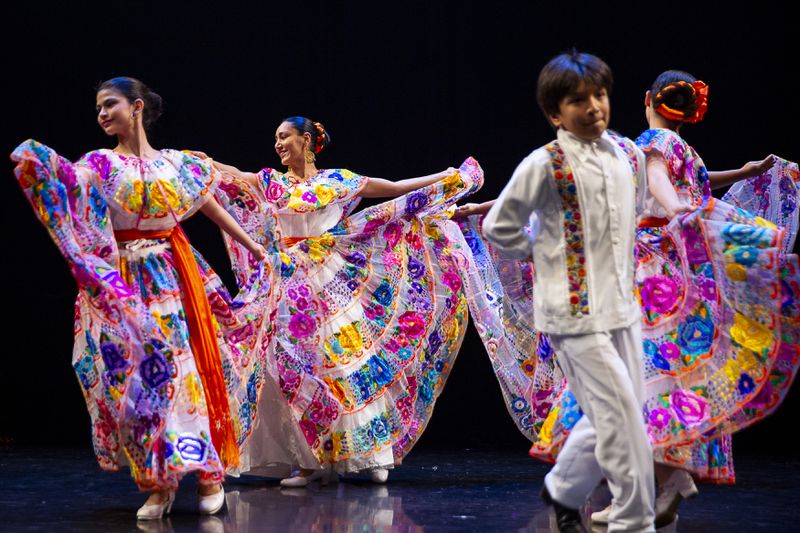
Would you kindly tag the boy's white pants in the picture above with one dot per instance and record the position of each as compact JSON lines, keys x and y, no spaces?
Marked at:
{"x":604,"y":371}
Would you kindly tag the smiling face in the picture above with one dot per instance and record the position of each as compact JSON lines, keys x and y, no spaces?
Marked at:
{"x":115,"y":114}
{"x":291,"y":145}
{"x":584,"y":112}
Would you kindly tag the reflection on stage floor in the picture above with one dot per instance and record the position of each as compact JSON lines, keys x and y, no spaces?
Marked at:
{"x":435,"y":490}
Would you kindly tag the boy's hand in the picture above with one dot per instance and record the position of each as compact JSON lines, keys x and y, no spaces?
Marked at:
{"x":755,"y":168}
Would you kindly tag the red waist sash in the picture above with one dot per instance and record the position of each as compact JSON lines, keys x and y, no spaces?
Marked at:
{"x":653,"y":222}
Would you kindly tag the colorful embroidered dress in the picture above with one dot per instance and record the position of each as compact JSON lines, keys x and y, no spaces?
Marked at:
{"x":371,"y":315}
{"x":773,"y":196}
{"x":134,"y":353}
{"x":719,"y":319}
{"x":501,"y":303}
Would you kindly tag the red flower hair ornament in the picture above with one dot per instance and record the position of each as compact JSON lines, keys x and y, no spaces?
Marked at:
{"x":698,"y":90}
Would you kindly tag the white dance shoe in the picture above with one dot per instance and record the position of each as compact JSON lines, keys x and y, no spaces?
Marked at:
{"x":211,"y":503}
{"x":679,"y":486}
{"x":155,"y":511}
{"x":379,"y":475}
{"x":601,"y":517}
{"x":324,"y":476}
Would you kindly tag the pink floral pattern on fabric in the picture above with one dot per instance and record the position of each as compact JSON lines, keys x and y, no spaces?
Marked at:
{"x":687,"y":172}
{"x":329,"y":186}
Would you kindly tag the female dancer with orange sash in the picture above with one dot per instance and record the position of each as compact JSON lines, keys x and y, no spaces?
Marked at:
{"x":169,"y":364}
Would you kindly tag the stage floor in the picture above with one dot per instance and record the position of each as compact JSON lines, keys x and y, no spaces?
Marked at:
{"x":50,"y":489}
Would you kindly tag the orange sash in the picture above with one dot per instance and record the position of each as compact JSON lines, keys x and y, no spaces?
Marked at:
{"x":202,"y":337}
{"x":288,"y":242}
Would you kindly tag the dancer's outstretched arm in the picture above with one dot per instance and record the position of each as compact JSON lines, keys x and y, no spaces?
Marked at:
{"x":723,"y":178}
{"x":381,"y":188}
{"x":250,"y":177}
{"x":473,"y":209}
{"x":226,"y":223}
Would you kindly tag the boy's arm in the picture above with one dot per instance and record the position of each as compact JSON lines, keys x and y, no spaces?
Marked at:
{"x":505,"y":223}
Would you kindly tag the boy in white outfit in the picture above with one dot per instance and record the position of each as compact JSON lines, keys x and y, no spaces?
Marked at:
{"x":585,"y":189}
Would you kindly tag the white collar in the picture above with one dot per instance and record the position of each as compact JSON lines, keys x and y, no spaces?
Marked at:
{"x":581,"y":146}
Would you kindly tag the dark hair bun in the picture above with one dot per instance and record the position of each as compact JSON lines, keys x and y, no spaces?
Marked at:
{"x":153,"y":107}
{"x":133,"y":89}
{"x":680,"y":96}
{"x":320,"y":138}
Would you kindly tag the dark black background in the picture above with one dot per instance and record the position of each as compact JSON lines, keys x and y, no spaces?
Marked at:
{"x":404,"y":88}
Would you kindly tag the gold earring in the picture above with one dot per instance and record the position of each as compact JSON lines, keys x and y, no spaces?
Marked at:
{"x":310,"y":157}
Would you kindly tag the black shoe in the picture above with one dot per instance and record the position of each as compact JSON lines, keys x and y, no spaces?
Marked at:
{"x":567,"y":519}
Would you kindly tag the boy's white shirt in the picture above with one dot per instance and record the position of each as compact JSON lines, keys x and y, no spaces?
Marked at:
{"x":609,"y":200}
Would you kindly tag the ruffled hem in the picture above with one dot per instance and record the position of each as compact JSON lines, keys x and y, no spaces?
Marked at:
{"x":709,"y":460}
